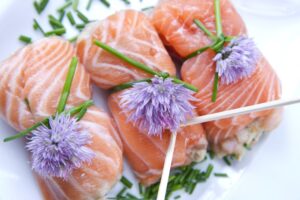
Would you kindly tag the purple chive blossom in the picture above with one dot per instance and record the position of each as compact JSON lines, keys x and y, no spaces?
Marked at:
{"x":59,"y":149}
{"x":237,"y":60}
{"x":157,"y":105}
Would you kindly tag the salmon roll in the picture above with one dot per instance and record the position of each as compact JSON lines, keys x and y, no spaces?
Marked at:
{"x":131,"y":33}
{"x":31,"y":84}
{"x":174,"y":21}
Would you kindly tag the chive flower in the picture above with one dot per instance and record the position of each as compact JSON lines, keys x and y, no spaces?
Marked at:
{"x":237,"y":60}
{"x":59,"y":148}
{"x":157,"y":105}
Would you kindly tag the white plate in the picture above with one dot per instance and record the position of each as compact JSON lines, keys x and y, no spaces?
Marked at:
{"x":270,"y":171}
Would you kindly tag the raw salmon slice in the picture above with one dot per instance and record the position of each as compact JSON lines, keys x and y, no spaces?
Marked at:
{"x":228,"y":136}
{"x":30,"y":86}
{"x":173,"y":20}
{"x":146,"y":153}
{"x":131,"y":33}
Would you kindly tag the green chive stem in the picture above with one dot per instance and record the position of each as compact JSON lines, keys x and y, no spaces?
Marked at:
{"x":105,"y":2}
{"x":25,"y":39}
{"x":147,"y":8}
{"x":71,"y":111}
{"x":67,"y":87}
{"x":55,"y":22}
{"x":126,"y":182}
{"x":75,"y":4}
{"x":122,"y":191}
{"x":227,"y":160}
{"x":128,"y":85}
{"x":64,"y":6}
{"x":82,"y":17}
{"x":215,"y":87}
{"x":139,"y":65}
{"x":40,"y":6}
{"x":204,"y":29}
{"x":36,"y":26}
{"x":125,"y":58}
{"x":218,"y":18}
{"x":126,"y":2}
{"x":58,"y":31}
{"x":89,"y":4}
{"x":61,"y":16}
{"x":199,"y":51}
{"x":71,"y":18}
{"x":221,"y":175}
{"x":73,"y":39}
{"x":80,"y":26}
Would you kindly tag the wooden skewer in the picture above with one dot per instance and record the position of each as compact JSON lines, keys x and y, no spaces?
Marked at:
{"x":167,"y":167}
{"x":212,"y":117}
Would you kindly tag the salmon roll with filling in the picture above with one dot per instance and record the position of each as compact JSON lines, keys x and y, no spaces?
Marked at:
{"x":131,"y":33}
{"x":174,"y":21}
{"x":31,"y":84}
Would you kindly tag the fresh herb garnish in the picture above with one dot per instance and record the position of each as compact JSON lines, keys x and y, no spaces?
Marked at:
{"x":75,"y":4}
{"x":141,"y":66}
{"x":221,"y":175}
{"x":64,"y":6}
{"x":37,"y":26}
{"x":58,"y":31}
{"x":126,"y":2}
{"x":73,"y":111}
{"x":71,"y":18}
{"x":105,"y":2}
{"x":25,"y":39}
{"x":67,"y":86}
{"x":82,"y":17}
{"x":40,"y":6}
{"x":126,"y":182}
{"x":55,"y":23}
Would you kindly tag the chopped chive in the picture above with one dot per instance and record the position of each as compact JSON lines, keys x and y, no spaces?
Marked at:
{"x":54,"y":22}
{"x":215,"y":87}
{"x":227,"y":160}
{"x":105,"y":2}
{"x":126,"y":2}
{"x":67,"y":86}
{"x":208,"y":171}
{"x":27,"y":104}
{"x":204,"y":29}
{"x":247,"y":146}
{"x":191,"y":188}
{"x":147,"y":8}
{"x":82,"y":17}
{"x":220,"y":174}
{"x":75,"y":4}
{"x":218,"y":17}
{"x":177,"y":197}
{"x":141,"y":188}
{"x":39,"y":7}
{"x":58,"y":31}
{"x":211,"y":154}
{"x":81,"y":114}
{"x":25,"y":39}
{"x":126,"y":182}
{"x":71,"y":111}
{"x":121,"y":192}
{"x":36,"y":26}
{"x":71,"y":18}
{"x":80,"y":26}
{"x":64,"y":6}
{"x":139,"y":65}
{"x":61,"y":16}
{"x":88,"y":6}
{"x":73,"y":39}
{"x":131,"y":196}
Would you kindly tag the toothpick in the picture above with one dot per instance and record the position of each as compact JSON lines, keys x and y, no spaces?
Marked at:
{"x":212,"y":117}
{"x":241,"y":111}
{"x":167,"y":167}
